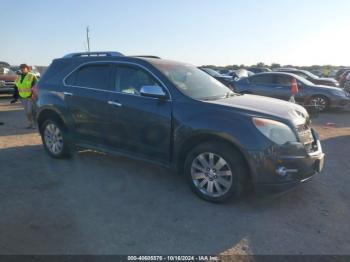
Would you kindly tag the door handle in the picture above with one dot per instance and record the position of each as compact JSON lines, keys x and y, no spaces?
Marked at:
{"x":67,"y":94}
{"x":114,"y":103}
{"x":279,"y":87}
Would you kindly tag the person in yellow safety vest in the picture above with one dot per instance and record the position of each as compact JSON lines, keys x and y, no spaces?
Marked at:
{"x":24,"y":84}
{"x":326,"y":71}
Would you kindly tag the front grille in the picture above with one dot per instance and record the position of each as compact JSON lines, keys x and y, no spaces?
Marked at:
{"x":306,"y":138}
{"x":9,"y":83}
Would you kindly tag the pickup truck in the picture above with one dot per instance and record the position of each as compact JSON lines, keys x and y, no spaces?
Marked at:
{"x":7,"y":80}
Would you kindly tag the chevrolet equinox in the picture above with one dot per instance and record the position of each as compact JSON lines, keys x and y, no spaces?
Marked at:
{"x":176,"y":115}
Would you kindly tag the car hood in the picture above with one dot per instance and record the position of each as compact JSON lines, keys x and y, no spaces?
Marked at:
{"x":8,"y":77}
{"x":327,"y":88}
{"x":265,"y":105}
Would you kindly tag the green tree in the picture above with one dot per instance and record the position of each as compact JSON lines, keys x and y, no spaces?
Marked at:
{"x":260,"y":64}
{"x":275,"y":65}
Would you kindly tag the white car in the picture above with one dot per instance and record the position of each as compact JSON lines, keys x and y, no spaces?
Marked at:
{"x":35,"y":71}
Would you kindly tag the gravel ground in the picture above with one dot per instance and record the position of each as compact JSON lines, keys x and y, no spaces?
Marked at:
{"x":102,"y":204}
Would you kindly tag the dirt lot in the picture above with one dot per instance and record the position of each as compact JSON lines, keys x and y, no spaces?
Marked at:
{"x":101,"y":204}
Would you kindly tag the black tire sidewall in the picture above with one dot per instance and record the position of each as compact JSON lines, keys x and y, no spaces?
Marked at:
{"x":235,"y":162}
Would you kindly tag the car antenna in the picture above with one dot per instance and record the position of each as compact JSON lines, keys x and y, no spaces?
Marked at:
{"x":88,"y":38}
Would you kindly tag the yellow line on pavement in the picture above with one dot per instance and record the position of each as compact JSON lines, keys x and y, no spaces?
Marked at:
{"x":19,"y":140}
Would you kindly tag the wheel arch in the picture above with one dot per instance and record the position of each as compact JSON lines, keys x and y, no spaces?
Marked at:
{"x":195,"y":140}
{"x":328,"y":100}
{"x":51,"y":113}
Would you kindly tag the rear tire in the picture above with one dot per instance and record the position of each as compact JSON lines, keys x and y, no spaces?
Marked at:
{"x":216,"y":172}
{"x":55,"y":139}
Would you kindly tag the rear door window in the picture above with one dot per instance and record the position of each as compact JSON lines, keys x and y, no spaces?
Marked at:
{"x":262,"y":79}
{"x":96,"y":76}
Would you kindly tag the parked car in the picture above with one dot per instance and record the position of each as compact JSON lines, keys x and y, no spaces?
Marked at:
{"x":232,"y":73}
{"x":7,"y":80}
{"x":257,"y":70}
{"x":176,"y":115}
{"x":310,"y":76}
{"x":225,"y":71}
{"x":318,"y":73}
{"x":238,"y":73}
{"x":225,"y":79}
{"x":241,"y":73}
{"x":347,"y":84}
{"x":33,"y":70}
{"x":4,"y":64}
{"x":343,"y":77}
{"x":340,"y":72}
{"x":278,"y":85}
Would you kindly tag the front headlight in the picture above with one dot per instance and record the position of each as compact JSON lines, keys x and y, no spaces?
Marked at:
{"x":275,"y":131}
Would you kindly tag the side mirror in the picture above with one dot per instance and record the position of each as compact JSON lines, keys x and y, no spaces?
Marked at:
{"x":18,"y":72}
{"x":153,"y":91}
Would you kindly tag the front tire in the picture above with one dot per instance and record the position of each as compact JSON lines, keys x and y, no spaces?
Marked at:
{"x":55,"y":139}
{"x":216,"y":172}
{"x":321,"y":103}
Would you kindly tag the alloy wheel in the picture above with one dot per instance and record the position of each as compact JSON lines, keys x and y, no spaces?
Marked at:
{"x":320,"y":103}
{"x":211,"y":174}
{"x":53,"y":139}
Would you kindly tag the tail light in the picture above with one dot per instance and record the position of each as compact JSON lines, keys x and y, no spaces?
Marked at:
{"x":35,"y":90}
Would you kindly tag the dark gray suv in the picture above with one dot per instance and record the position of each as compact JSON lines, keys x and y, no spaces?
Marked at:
{"x":176,"y":115}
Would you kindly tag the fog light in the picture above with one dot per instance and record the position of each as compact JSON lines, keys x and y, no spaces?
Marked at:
{"x":283,"y":171}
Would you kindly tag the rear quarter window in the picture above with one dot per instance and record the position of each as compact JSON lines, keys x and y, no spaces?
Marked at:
{"x":262,"y":79}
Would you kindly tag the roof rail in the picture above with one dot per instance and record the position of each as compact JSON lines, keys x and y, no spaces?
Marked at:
{"x":146,"y":56}
{"x":88,"y":54}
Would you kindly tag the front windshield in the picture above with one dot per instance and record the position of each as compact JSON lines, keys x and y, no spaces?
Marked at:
{"x":311,"y":75}
{"x":304,"y":80}
{"x":211,"y":72}
{"x":192,"y":81}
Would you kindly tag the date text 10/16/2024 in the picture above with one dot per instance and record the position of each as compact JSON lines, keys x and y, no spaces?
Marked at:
{"x":173,"y":258}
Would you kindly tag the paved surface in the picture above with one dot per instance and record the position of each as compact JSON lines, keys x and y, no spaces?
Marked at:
{"x":101,"y":204}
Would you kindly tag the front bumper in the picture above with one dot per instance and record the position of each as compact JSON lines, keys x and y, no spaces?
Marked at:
{"x":340,"y":103}
{"x":7,"y":87}
{"x":7,"y":90}
{"x":282,"y":168}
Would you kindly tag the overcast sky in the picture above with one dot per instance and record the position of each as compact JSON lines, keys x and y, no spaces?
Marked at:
{"x":220,"y":32}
